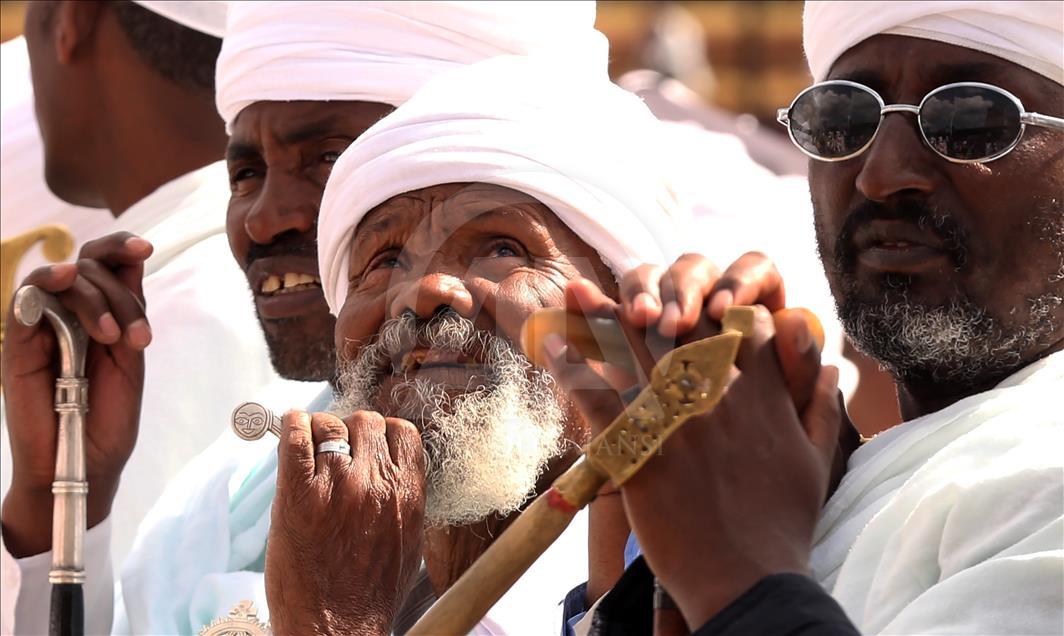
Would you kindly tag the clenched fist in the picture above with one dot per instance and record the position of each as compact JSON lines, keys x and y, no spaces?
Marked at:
{"x":345,"y":537}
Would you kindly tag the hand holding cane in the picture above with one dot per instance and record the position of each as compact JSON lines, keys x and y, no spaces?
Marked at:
{"x":70,"y":487}
{"x":686,"y":382}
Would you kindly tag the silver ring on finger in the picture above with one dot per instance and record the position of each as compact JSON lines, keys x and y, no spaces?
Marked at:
{"x":333,"y":446}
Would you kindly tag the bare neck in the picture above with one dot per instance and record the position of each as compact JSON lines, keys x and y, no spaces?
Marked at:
{"x":916,"y":400}
{"x":152,"y":131}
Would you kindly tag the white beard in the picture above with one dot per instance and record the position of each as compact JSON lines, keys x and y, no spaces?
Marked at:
{"x":486,"y":447}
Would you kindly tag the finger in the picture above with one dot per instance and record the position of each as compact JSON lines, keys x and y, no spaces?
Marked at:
{"x":822,"y":418}
{"x":326,"y":427}
{"x":799,"y":355}
{"x":593,"y":396}
{"x":295,"y":452}
{"x":118,"y":249}
{"x":124,"y":253}
{"x":584,"y":297}
{"x":404,"y":444}
{"x":369,"y":441}
{"x":757,"y":355}
{"x":641,"y":295}
{"x":124,"y":305}
{"x":751,"y":279}
{"x":90,"y":306}
{"x":52,"y":279}
{"x":684,"y":289}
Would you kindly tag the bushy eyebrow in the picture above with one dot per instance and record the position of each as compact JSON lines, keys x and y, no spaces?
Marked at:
{"x":306,"y":131}
{"x":241,"y":152}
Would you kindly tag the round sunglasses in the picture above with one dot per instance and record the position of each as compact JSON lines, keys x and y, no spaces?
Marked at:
{"x":966,"y":122}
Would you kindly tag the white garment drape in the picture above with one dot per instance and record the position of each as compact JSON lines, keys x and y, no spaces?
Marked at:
{"x":954,"y":522}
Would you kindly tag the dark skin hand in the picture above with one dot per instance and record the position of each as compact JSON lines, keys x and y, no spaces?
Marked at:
{"x":735,"y":494}
{"x":701,"y":292}
{"x":329,"y":569}
{"x":103,"y":289}
{"x":1007,"y":210}
{"x":279,"y":157}
{"x":492,"y":255}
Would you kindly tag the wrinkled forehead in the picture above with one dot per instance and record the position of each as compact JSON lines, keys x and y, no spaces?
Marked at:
{"x":904,"y":68}
{"x":445,"y":208}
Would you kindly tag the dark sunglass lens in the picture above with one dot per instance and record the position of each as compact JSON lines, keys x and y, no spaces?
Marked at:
{"x":835,"y":120}
{"x":969,"y":122}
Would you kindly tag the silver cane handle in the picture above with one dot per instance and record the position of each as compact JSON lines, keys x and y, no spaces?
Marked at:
{"x":70,"y":488}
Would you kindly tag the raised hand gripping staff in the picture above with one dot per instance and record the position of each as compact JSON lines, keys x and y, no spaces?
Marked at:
{"x":686,"y":382}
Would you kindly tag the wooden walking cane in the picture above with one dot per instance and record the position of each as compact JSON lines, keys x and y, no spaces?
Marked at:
{"x":686,"y":382}
{"x":70,"y":488}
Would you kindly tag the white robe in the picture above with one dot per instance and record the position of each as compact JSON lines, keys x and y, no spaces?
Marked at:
{"x":207,"y":355}
{"x":953,"y":523}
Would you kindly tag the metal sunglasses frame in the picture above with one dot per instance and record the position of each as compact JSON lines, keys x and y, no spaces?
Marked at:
{"x":1026,"y":118}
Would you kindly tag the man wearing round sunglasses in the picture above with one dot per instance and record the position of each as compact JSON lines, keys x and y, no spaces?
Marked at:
{"x":936,"y":139}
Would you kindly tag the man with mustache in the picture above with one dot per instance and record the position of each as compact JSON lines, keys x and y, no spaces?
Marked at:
{"x":435,"y":245}
{"x":292,"y":103}
{"x":442,"y":229}
{"x":937,"y":143}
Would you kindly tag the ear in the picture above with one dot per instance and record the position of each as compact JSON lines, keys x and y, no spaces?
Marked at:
{"x":73,"y":26}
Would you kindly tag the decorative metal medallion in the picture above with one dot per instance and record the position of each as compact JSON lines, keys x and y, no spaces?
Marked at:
{"x":251,"y":421}
{"x":243,"y":620}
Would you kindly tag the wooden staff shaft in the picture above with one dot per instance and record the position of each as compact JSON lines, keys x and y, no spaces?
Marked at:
{"x":467,"y":601}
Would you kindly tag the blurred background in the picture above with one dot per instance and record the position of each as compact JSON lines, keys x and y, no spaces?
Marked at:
{"x":741,"y":57}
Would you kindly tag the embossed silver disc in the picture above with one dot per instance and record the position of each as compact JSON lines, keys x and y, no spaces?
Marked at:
{"x":250,"y":421}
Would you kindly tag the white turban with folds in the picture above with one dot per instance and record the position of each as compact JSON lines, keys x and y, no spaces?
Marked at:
{"x":1030,"y":34}
{"x":384,"y":51}
{"x":575,"y":142}
{"x":205,"y":16}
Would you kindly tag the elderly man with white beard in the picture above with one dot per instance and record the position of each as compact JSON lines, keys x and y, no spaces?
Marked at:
{"x":442,"y":229}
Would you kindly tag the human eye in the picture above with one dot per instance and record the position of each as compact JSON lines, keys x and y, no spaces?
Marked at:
{"x":388,"y":259}
{"x":242,"y":179}
{"x":242,"y":174}
{"x":505,"y":248}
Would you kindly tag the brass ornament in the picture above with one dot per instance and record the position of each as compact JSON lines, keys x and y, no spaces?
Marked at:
{"x":686,"y":382}
{"x":243,"y":620}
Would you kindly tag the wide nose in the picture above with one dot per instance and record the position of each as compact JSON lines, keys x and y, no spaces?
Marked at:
{"x":287,"y":203}
{"x":898,"y":161}
{"x":431,"y":292}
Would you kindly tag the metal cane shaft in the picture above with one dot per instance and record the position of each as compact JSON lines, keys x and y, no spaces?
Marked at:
{"x":70,"y":488}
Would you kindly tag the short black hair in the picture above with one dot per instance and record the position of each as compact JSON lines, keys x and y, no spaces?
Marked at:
{"x":180,"y":54}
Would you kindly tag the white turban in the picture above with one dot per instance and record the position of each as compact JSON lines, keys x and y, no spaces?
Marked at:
{"x":1030,"y":34}
{"x":384,"y":51}
{"x":580,"y":145}
{"x":205,"y":16}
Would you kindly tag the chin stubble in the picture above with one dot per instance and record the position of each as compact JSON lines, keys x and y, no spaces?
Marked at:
{"x":960,"y":343}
